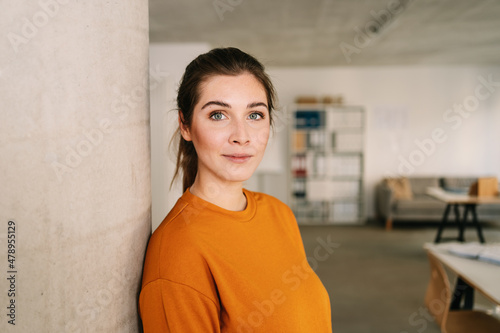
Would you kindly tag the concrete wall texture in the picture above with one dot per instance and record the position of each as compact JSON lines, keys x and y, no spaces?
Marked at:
{"x":75,"y":193}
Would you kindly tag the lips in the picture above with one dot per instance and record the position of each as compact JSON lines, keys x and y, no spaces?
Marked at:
{"x":237,"y":158}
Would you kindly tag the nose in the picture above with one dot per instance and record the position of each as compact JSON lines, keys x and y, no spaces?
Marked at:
{"x":239,"y":133}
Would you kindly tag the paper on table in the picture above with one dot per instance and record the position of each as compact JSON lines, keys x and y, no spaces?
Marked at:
{"x":491,"y":254}
{"x":474,"y":250}
{"x":467,"y":250}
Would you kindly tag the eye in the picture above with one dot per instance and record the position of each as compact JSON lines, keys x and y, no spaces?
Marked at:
{"x":217,"y":116}
{"x":256,"y":116}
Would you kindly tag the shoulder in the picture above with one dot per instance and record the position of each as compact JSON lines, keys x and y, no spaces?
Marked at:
{"x":178,"y":231}
{"x":178,"y":240}
{"x":267,"y":201}
{"x":277,"y":211}
{"x":270,"y":207}
{"x":182,"y":220}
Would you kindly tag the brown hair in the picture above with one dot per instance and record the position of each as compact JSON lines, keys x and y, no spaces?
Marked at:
{"x":220,"y":61}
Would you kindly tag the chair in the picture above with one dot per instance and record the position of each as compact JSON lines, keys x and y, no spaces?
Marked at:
{"x":438,"y":299}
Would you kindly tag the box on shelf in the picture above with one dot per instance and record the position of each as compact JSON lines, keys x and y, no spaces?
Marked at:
{"x":309,"y":119}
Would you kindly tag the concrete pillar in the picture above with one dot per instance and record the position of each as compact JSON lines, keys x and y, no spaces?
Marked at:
{"x":75,"y":164}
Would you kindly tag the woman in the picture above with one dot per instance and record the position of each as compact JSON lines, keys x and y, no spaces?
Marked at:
{"x":226,"y":259}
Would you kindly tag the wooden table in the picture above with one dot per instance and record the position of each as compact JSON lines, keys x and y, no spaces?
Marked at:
{"x":478,"y":275}
{"x":455,"y":200}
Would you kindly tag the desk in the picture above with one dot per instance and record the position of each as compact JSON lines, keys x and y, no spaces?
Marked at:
{"x":455,"y":200}
{"x":479,"y":275}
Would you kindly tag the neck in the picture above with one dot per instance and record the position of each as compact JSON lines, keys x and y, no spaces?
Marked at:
{"x":228,"y":195}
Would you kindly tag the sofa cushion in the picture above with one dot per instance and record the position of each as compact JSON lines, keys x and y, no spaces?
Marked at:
{"x":457,"y":184}
{"x":419,"y":204}
{"x":400,"y":187}
{"x":419,"y":185}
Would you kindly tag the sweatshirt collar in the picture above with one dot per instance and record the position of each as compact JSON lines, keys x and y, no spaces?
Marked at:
{"x":243,"y":216}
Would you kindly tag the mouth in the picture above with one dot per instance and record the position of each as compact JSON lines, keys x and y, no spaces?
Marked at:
{"x":237,"y":158}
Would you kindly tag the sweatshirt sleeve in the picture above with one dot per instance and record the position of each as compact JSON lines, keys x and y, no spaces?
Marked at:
{"x":172,"y":307}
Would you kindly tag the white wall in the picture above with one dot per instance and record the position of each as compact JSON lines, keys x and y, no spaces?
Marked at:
{"x":405,"y":104}
{"x":167,"y":64}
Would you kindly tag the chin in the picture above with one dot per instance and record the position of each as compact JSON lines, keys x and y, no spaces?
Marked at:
{"x":238,"y":177}
{"x":239,"y":172}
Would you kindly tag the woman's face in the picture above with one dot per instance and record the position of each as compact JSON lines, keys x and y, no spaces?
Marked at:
{"x":229,"y":128}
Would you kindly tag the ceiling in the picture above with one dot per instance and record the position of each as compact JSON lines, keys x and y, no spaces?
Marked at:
{"x":338,"y":32}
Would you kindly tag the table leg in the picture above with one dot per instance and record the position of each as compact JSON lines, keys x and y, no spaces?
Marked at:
{"x":443,"y":222}
{"x":461,"y":237}
{"x":462,"y":291}
{"x":476,"y":223}
{"x":459,"y":222}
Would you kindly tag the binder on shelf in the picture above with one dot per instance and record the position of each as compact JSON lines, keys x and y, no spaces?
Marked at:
{"x":299,"y":141}
{"x":309,"y":119}
{"x":299,"y":187}
{"x":299,"y":165}
{"x":316,"y":139}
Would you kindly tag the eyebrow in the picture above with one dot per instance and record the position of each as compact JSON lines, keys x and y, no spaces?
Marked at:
{"x":224,"y":104}
{"x":219,"y":103}
{"x":255,"y":104}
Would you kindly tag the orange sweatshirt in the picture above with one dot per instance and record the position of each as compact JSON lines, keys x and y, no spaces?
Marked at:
{"x":208,"y":269}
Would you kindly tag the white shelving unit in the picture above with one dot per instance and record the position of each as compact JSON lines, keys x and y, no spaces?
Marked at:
{"x":326,"y":153}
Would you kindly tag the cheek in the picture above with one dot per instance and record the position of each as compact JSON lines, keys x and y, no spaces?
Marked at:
{"x":208,"y":140}
{"x":263,"y":136}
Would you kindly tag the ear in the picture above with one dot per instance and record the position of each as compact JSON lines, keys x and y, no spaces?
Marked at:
{"x":185,"y":132}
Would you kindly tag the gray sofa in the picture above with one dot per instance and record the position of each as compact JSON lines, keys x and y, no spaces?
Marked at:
{"x":422,"y":207}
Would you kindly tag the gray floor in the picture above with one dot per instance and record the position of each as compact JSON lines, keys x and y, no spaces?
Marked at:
{"x":377,"y":279}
